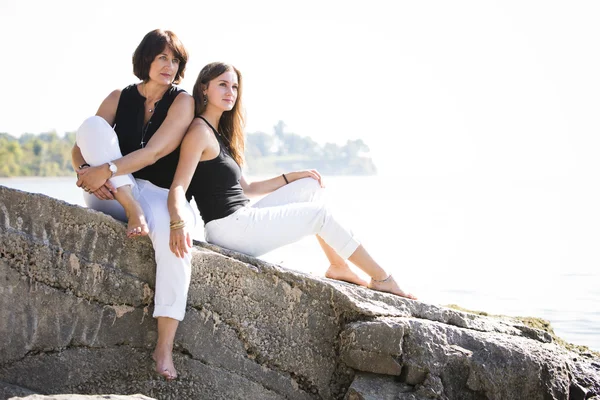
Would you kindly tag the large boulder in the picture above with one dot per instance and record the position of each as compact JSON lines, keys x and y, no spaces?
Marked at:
{"x":76,"y":306}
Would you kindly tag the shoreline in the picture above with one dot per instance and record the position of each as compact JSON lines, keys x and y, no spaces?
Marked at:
{"x":537,"y":323}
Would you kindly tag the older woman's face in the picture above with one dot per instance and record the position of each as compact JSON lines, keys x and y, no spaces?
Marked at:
{"x":164,"y":67}
{"x":222,"y":91}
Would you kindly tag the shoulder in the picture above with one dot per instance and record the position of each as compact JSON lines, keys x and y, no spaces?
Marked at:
{"x":200,"y":129}
{"x":176,"y":90}
{"x":183,"y":97}
{"x":128,"y":91}
{"x":179,"y":94}
{"x":114,"y":96}
{"x":183,"y":101}
{"x":199,"y":133}
{"x":108,"y":108}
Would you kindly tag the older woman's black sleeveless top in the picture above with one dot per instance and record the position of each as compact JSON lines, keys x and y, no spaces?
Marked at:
{"x":131,"y":131}
{"x":216,"y":184}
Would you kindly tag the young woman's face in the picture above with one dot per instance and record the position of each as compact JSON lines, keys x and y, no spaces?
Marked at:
{"x":164,"y":67}
{"x":222,"y":91}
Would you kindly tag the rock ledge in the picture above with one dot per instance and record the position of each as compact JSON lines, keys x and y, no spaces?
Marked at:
{"x":75,"y":306}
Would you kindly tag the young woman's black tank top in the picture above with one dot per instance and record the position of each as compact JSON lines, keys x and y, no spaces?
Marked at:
{"x":131,"y":131}
{"x":216,"y":184}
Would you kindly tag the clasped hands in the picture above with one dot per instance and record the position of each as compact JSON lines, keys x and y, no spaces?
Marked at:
{"x":95,"y":180}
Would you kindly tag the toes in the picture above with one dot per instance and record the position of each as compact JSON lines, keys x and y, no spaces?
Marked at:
{"x":168,"y":374}
{"x":132,"y":233}
{"x":392,"y":289}
{"x":137,"y":231}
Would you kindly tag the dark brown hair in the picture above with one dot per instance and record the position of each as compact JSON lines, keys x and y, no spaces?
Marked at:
{"x":231,"y":123}
{"x":152,"y":45}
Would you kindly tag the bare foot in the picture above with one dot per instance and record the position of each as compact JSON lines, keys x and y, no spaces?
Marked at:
{"x":164,"y":363}
{"x":344,"y":273}
{"x":136,"y":221}
{"x":390,"y":286}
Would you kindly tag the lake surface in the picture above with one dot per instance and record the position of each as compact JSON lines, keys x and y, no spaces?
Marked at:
{"x":526,"y":248}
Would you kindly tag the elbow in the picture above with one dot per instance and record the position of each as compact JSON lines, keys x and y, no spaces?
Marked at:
{"x":249,"y":191}
{"x":151,"y":156}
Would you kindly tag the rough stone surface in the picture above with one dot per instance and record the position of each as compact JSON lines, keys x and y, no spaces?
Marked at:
{"x":378,"y":387}
{"x":84,"y":397}
{"x":9,"y":391}
{"x":76,"y":306}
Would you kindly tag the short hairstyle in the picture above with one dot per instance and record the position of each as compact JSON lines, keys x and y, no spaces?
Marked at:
{"x":152,"y":45}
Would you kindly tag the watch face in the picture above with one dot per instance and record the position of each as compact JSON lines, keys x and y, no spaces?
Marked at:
{"x":112,"y":167}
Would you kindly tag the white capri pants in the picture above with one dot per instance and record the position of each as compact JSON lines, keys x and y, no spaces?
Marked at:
{"x":285,"y":216}
{"x":99,"y":144}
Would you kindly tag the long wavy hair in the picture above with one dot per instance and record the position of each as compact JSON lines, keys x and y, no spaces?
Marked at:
{"x":231,"y":124}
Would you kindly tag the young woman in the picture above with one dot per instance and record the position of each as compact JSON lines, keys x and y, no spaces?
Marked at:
{"x":209,"y":166}
{"x":125,"y":158}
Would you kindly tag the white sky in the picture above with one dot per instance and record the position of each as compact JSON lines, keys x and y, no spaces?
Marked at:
{"x":435,"y":88}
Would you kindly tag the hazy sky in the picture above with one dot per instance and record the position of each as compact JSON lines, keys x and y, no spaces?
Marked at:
{"x":435,"y":88}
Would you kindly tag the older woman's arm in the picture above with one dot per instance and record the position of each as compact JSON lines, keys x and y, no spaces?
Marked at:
{"x":164,"y":141}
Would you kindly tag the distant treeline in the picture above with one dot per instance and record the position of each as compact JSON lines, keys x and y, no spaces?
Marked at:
{"x":49,"y":154}
{"x":45,"y":154}
{"x":283,"y":151}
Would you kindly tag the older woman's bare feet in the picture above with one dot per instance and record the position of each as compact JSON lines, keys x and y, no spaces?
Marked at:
{"x":389,"y":285}
{"x":164,"y":363}
{"x":344,"y":273}
{"x":136,"y":221}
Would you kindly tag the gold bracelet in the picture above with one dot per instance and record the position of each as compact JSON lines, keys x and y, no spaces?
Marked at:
{"x":177,"y":224}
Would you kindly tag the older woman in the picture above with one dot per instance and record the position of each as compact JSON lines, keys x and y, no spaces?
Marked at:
{"x":125,"y":157}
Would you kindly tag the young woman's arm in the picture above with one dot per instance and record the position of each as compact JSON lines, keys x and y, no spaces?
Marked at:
{"x":164,"y":141}
{"x":259,"y":188}
{"x":194,"y":144}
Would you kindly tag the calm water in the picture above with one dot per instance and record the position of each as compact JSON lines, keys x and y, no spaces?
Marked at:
{"x":527,"y":248}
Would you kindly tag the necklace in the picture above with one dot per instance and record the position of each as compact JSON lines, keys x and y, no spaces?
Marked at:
{"x":150,"y":110}
{"x":144,"y":130}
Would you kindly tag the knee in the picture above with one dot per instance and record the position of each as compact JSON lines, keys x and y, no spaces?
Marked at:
{"x":324,"y":214}
{"x":310,"y":185}
{"x":91,"y":126}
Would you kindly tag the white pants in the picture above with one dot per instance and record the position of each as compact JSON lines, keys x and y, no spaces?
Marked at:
{"x":99,"y":144}
{"x":285,"y":216}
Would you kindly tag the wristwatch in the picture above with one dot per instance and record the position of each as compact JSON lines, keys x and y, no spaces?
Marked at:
{"x":112,"y":168}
